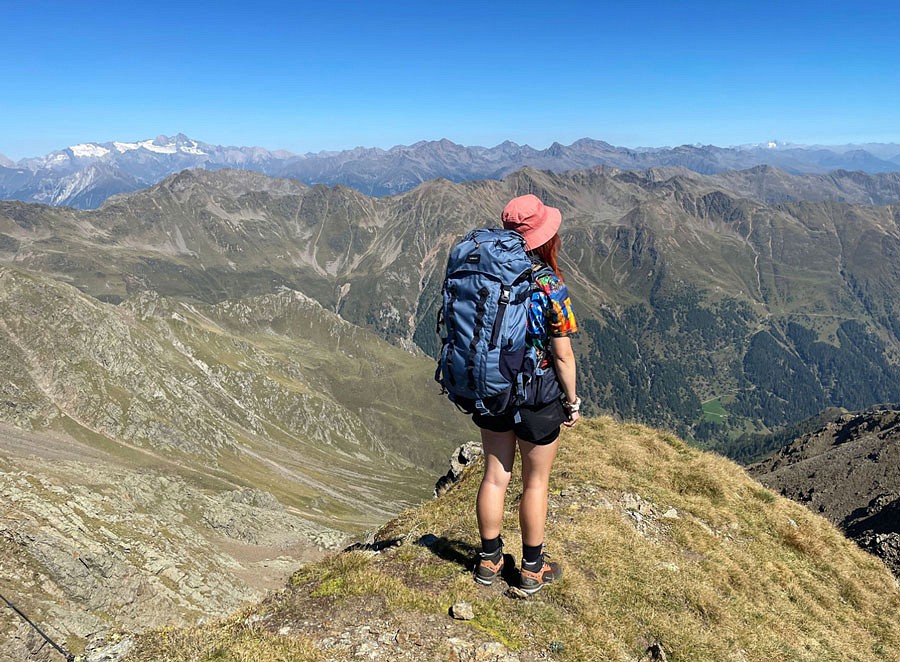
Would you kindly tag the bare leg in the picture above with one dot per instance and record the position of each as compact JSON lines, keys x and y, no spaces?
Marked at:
{"x":536,"y":464}
{"x":499,"y":454}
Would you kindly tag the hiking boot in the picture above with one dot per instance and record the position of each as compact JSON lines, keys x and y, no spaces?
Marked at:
{"x":489,"y":567}
{"x":532,"y":578}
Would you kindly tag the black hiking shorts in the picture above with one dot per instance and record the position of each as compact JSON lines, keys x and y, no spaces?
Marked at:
{"x":539,"y":424}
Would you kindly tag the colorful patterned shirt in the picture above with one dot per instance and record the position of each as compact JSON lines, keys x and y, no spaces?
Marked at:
{"x":550,"y":314}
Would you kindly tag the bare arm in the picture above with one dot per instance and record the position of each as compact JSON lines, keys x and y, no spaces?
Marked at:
{"x":564,"y":362}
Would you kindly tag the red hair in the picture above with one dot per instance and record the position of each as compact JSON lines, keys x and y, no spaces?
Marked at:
{"x":548,"y":253}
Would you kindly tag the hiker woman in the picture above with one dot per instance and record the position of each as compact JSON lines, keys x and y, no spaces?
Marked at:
{"x":535,"y":430}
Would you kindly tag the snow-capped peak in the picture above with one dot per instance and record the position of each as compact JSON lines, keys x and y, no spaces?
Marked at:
{"x":158,"y":147}
{"x":89,"y":150}
{"x":162,"y":145}
{"x":121,"y":148}
{"x":191,"y":147}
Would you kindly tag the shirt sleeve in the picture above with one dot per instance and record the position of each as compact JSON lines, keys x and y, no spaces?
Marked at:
{"x":560,"y":316}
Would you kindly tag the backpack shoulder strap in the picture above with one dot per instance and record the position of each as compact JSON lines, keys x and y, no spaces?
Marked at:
{"x":540,"y":269}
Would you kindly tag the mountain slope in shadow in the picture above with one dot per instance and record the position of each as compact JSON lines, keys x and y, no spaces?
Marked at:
{"x":849,"y":471}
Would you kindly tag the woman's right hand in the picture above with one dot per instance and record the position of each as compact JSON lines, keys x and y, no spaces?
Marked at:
{"x":573,"y":418}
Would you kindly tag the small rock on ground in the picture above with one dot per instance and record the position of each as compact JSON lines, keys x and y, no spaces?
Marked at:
{"x":462,"y":611}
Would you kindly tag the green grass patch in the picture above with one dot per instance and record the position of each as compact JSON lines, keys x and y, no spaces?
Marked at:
{"x":763,"y":494}
{"x":494,"y":620}
{"x":713,"y":411}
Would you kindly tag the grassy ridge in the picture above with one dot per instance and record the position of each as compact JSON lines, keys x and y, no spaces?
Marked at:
{"x":660,"y":542}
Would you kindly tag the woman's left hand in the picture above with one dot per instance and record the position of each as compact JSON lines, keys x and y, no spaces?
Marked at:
{"x":573,"y":418}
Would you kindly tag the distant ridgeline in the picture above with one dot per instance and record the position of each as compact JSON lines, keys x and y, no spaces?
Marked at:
{"x":718,"y":306}
{"x":85,"y":175}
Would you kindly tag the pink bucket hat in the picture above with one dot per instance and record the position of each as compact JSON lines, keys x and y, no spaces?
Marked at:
{"x":532,"y":219}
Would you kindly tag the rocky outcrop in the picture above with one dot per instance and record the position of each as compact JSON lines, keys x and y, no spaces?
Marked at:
{"x":96,"y":548}
{"x":461,"y":458}
{"x":877,"y":529}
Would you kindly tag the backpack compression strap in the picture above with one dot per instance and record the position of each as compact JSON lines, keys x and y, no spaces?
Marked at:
{"x":480,"y":309}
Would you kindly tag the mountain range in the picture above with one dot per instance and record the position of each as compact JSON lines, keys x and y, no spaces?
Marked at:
{"x":701,"y":309}
{"x":86,"y":174}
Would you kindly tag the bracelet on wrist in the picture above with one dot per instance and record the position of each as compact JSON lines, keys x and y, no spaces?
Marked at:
{"x":571,"y":407}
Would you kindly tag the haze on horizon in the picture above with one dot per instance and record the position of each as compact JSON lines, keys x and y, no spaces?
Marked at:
{"x":286,"y":76}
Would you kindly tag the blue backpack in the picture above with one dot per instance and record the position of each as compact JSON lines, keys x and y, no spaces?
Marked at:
{"x":485,"y":365}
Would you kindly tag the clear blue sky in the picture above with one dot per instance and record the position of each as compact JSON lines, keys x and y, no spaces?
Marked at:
{"x":334,"y":74}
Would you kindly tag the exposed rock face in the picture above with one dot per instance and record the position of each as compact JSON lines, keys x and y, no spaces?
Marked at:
{"x":877,"y":529}
{"x":94,"y":547}
{"x":849,"y":471}
{"x":111,"y":651}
